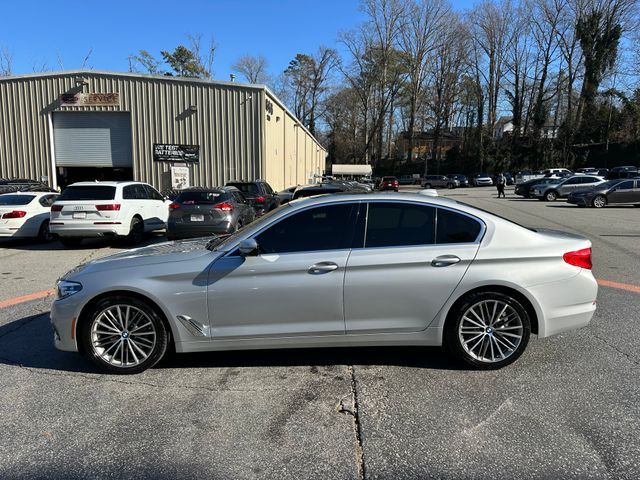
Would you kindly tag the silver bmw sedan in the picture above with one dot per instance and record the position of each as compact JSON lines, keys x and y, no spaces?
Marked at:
{"x":338,"y":270}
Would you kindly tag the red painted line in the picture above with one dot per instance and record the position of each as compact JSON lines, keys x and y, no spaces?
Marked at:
{"x":26,"y":298}
{"x":620,"y":286}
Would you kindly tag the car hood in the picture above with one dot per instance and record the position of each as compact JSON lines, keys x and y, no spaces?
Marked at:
{"x":166,"y":252}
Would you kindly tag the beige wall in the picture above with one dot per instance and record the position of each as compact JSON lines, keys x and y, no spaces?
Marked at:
{"x":292,"y":156}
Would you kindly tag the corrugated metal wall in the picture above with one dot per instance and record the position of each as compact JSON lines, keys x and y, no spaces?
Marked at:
{"x":227,"y":124}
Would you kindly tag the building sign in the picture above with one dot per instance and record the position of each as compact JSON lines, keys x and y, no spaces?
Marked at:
{"x":90,"y":100}
{"x":180,"y":178}
{"x":167,"y":152}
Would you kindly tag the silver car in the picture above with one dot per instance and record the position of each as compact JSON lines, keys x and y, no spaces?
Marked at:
{"x":562,"y":189}
{"x":439,"y":181}
{"x":340,"y":270}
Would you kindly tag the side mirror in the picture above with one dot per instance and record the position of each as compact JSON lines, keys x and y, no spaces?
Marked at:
{"x":248,"y":247}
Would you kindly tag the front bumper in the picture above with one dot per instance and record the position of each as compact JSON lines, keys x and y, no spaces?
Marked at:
{"x":64,"y":315}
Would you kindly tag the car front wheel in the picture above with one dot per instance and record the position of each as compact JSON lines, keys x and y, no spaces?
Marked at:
{"x":124,"y":335}
{"x":488,"y":330}
{"x":599,"y":201}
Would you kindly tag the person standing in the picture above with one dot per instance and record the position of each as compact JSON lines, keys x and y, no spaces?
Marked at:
{"x":501,"y":181}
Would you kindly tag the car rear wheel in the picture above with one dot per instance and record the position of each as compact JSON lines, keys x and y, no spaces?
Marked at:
{"x":44,"y":234}
{"x":599,"y":201}
{"x":551,"y":196}
{"x":136,"y":231}
{"x":488,"y":330}
{"x":450,"y":185}
{"x":427,"y":185}
{"x":124,"y":335}
{"x":70,"y":242}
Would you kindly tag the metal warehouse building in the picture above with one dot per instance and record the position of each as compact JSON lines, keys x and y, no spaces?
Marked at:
{"x":167,"y":131}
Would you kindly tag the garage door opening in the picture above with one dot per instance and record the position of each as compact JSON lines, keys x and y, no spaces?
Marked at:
{"x":92,"y":146}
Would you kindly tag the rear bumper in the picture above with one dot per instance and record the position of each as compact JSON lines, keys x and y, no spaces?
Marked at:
{"x":183,"y":230}
{"x":88,"y":229}
{"x":566,"y":305}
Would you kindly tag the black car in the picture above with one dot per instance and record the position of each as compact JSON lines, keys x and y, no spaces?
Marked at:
{"x":22,"y":185}
{"x":524,"y":189}
{"x":259,"y":194}
{"x":287,"y":194}
{"x":622,"y":172}
{"x":608,"y":193}
{"x":198,"y":212}
{"x":322,"y":189}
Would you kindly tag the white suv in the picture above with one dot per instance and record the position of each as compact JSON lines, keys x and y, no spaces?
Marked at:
{"x":96,"y":209}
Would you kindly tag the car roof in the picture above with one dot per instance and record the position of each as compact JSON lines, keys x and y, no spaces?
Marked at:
{"x":206,"y":189}
{"x":28,"y":192}
{"x":107,"y":183}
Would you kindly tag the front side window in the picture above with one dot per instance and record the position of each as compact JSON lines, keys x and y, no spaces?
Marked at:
{"x":399,"y":225}
{"x":153,"y":194}
{"x":321,"y":228}
{"x":628,"y":185}
{"x":453,"y":227}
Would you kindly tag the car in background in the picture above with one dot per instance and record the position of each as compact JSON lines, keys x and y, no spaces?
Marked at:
{"x":602,"y":172}
{"x":553,"y":191}
{"x":439,"y":181}
{"x":198,"y":212}
{"x":588,"y":171}
{"x":388,"y":183}
{"x":408,"y":180}
{"x":26,"y":215}
{"x":328,"y":272}
{"x":462,"y":179}
{"x":22,"y":185}
{"x":524,"y":189}
{"x":622,"y":172}
{"x":259,"y":194}
{"x":482,"y":180}
{"x":305,"y":191}
{"x":107,"y":209}
{"x":286,"y":195}
{"x":611,"y":192}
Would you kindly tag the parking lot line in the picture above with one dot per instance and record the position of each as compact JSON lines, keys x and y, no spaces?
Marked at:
{"x":26,"y":298}
{"x":620,"y":286}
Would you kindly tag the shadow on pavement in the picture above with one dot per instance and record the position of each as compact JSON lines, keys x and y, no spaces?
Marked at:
{"x":87,"y":243}
{"x":28,"y":342}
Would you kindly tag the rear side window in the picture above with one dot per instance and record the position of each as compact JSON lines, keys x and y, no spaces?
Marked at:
{"x":134,"y":192}
{"x":198,"y":198}
{"x":247,"y":188}
{"x":88,"y":192}
{"x":16,"y":199}
{"x":398,"y":225}
{"x":321,"y":228}
{"x":47,"y":200}
{"x":454,"y":227}
{"x":239,"y":197}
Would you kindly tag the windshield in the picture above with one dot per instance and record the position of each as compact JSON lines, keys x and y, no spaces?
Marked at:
{"x":88,"y":192}
{"x":16,"y":199}
{"x":219,"y":243}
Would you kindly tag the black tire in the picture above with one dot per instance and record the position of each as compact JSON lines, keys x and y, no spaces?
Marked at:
{"x":427,"y":185}
{"x":395,"y":189}
{"x":70,"y":242}
{"x":136,"y":232}
{"x":599,"y":201}
{"x":450,"y":186}
{"x":452,"y":334}
{"x":44,"y":234}
{"x":551,"y":196}
{"x":100,"y":357}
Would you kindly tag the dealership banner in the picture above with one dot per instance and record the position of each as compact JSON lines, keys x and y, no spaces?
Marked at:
{"x":167,"y":152}
{"x":90,"y":99}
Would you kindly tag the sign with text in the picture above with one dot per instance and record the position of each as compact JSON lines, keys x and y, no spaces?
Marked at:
{"x":90,"y":99}
{"x":180,"y":178}
{"x":168,"y":152}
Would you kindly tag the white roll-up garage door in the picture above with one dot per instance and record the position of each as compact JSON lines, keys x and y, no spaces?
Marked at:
{"x":92,"y":139}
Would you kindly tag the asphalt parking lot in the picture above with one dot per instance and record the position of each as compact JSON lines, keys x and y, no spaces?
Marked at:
{"x":567,"y":409}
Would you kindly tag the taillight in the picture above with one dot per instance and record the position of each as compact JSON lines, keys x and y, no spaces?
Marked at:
{"x":579,"y":258}
{"x":108,"y":206}
{"x":224,"y":206}
{"x":260,"y":199}
{"x":14,"y":214}
{"x":174,"y":205}
{"x":56,"y":208}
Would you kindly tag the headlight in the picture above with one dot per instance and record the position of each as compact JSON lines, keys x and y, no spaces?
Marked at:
{"x":65,"y":288}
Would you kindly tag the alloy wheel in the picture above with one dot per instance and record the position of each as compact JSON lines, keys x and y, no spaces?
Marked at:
{"x":490,"y":331}
{"x":599,"y":201}
{"x":123,"y":336}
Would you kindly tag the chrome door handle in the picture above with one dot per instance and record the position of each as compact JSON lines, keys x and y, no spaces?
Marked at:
{"x":445,"y":260}
{"x":322,"y":267}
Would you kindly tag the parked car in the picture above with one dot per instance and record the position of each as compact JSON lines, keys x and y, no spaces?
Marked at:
{"x":388,"y":183}
{"x":99,"y":209}
{"x":610,"y":192}
{"x":553,"y":191}
{"x":549,"y":172}
{"x":198,"y":212}
{"x":22,"y":185}
{"x":602,"y":172}
{"x":26,"y":214}
{"x":439,"y":181}
{"x":524,"y":189}
{"x":351,"y":263}
{"x":305,"y":191}
{"x":481,"y":180}
{"x":286,"y":195}
{"x":588,"y":171}
{"x":259,"y":194}
{"x":462,"y":179}
{"x":622,"y":172}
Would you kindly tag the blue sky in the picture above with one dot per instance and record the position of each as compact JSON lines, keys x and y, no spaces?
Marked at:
{"x":38,"y":32}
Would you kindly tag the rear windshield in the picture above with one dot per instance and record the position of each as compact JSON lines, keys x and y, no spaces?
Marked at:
{"x":16,"y":199}
{"x":198,"y":198}
{"x":388,"y":178}
{"x":250,"y":188}
{"x":88,"y":192}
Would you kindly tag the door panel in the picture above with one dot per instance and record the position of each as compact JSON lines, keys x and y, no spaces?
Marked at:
{"x":276,"y":295}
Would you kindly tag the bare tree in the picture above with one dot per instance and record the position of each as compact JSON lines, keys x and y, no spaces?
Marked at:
{"x":145,"y":62}
{"x":204,"y":54}
{"x":6,"y":62}
{"x":252,"y":67}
